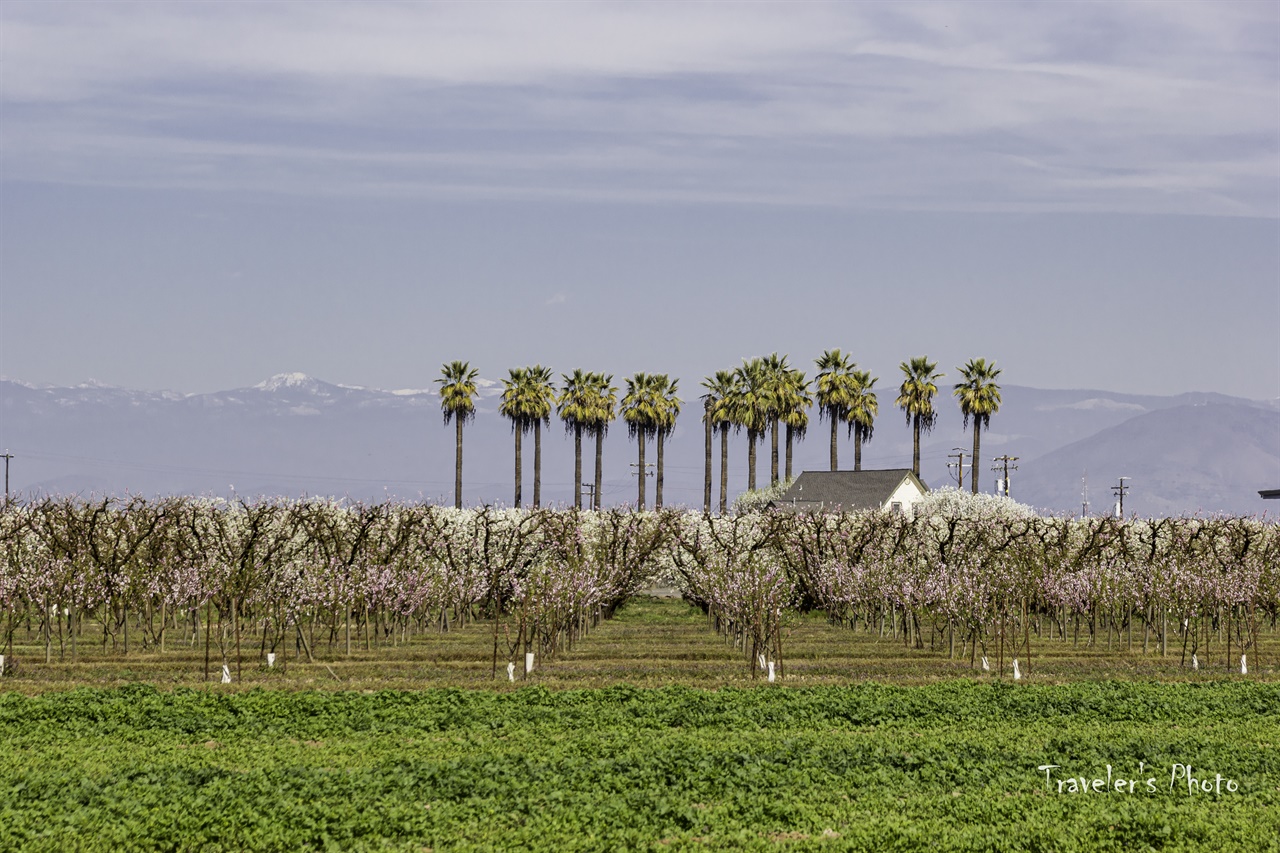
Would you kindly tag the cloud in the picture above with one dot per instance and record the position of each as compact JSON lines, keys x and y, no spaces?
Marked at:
{"x":1136,"y":107}
{"x":557,"y":299}
{"x":70,"y":51}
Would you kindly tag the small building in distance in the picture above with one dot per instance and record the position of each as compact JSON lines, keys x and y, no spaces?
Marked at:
{"x":892,"y":489}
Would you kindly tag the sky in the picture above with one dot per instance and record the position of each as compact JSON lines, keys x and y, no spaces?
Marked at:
{"x":198,"y":196}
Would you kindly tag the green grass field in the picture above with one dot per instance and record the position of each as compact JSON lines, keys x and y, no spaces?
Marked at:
{"x":650,"y":735}
{"x":948,"y":766}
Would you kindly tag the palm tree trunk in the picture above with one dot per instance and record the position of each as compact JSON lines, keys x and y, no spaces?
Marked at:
{"x":706,"y":480}
{"x":773,"y":455}
{"x":751,"y":460}
{"x":789,"y":437}
{"x":640,"y":472}
{"x":657,"y":487}
{"x":599,"y":465}
{"x":973,"y":464}
{"x":537,"y":464}
{"x":857,"y":448}
{"x":834,"y":458}
{"x":519,"y":460}
{"x":915,"y":445}
{"x":577,"y":466}
{"x":724,"y":468}
{"x":457,"y":466}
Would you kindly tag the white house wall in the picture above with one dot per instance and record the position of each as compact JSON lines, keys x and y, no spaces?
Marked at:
{"x":908,"y":494}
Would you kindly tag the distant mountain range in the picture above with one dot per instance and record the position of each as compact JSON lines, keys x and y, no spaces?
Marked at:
{"x":294,"y":434}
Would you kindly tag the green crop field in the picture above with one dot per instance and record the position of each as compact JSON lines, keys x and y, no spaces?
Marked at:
{"x":947,"y":766}
{"x":865,"y":744}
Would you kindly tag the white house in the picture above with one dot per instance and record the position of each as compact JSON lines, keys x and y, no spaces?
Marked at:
{"x":893,"y":489}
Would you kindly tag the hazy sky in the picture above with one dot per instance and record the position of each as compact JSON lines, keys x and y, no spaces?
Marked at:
{"x":197,"y":196}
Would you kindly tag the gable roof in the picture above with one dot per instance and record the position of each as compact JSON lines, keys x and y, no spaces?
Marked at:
{"x":849,"y":490}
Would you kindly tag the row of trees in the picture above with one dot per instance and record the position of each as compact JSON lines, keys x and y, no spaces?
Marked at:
{"x":758,"y":397}
{"x":976,"y":573}
{"x":984,"y":575}
{"x":275,"y":574}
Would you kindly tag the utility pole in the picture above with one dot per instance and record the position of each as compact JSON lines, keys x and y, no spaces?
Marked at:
{"x":959,"y":466}
{"x":1084,"y":505}
{"x":1005,"y":466}
{"x":591,"y":487}
{"x":6,"y":456}
{"x":1119,"y":492}
{"x":637,"y":471}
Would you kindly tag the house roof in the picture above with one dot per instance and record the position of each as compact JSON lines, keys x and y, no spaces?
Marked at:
{"x":851,"y":490}
{"x":1270,"y":493}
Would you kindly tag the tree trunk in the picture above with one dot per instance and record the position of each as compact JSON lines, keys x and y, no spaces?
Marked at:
{"x":790,"y":433}
{"x":706,"y":479}
{"x":915,"y":445}
{"x":724,"y":468}
{"x":857,"y":448}
{"x":235,"y":621}
{"x":773,"y":454}
{"x":751,"y":459}
{"x":599,"y":465}
{"x":208,"y":627}
{"x":577,"y":466}
{"x":519,"y":461}
{"x":457,"y":465}
{"x":834,"y":458}
{"x":537,"y":464}
{"x":657,"y":483}
{"x":973,"y":463}
{"x":640,"y":436}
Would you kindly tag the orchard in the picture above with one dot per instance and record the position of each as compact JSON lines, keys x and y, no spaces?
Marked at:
{"x":980,"y":579}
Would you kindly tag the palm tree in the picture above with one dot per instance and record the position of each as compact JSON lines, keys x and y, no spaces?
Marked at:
{"x":457,"y":402}
{"x":577,"y":409}
{"x":750,"y":409}
{"x":979,"y":397}
{"x":512,"y":407}
{"x":795,"y":403}
{"x":863,"y":408}
{"x":642,"y":410}
{"x":708,"y":401}
{"x":719,"y":399}
{"x":915,"y":398}
{"x":668,"y":406}
{"x":775,"y":371}
{"x":604,"y":397}
{"x":540,"y":396}
{"x":834,"y":392}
